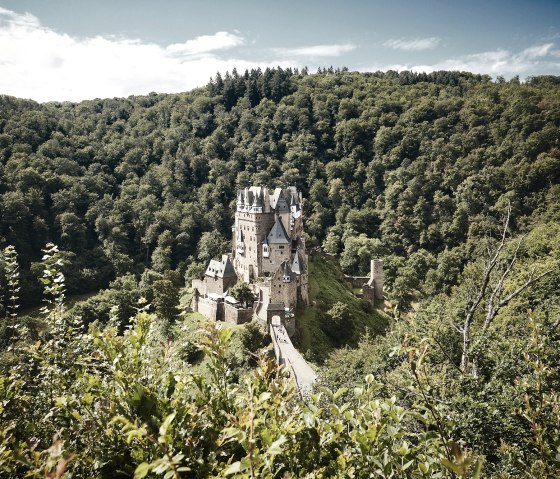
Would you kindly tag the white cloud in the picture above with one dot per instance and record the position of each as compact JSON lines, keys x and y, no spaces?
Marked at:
{"x":206,"y":43}
{"x":39,"y":63}
{"x":17,"y":19}
{"x":532,"y":53}
{"x":316,"y":50}
{"x":529,"y":61}
{"x":415,"y":44}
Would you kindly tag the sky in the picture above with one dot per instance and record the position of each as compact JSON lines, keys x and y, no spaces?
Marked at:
{"x":72,"y":50}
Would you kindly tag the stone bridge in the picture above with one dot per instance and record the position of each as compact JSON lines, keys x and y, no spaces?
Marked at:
{"x":289,"y":356}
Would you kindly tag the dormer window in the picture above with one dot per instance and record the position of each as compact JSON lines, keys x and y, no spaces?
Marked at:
{"x":266,"y":251}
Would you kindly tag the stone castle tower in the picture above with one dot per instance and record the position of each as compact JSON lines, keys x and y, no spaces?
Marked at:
{"x":268,"y":252}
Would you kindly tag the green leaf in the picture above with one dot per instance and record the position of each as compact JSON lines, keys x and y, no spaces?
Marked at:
{"x":407,"y":465}
{"x":232,"y":469}
{"x":477,"y":468}
{"x":451,"y":466}
{"x":264,"y":396}
{"x":339,"y":393}
{"x":142,"y":470}
{"x":166,"y":423}
{"x":275,"y":446}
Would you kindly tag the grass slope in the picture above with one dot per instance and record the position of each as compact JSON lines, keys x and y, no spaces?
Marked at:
{"x":326,"y":287}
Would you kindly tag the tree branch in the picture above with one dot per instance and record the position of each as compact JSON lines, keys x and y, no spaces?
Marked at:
{"x":490,"y":265}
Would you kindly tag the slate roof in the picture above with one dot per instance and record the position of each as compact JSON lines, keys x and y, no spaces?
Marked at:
{"x":287,"y":269}
{"x":298,"y":265}
{"x":221,"y":269}
{"x":277,"y":234}
{"x":278,"y":201}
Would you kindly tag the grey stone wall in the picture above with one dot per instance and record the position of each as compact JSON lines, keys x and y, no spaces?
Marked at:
{"x":278,"y":254}
{"x":281,"y":292}
{"x":218,"y":285}
{"x":211,"y":309}
{"x":199,"y":285}
{"x":235,"y":315}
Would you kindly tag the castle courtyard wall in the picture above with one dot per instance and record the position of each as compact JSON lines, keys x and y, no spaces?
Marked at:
{"x":236,"y":315}
{"x":211,"y":309}
{"x":219,"y":285}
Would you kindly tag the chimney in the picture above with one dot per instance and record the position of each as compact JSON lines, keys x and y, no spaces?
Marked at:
{"x":377,"y":277}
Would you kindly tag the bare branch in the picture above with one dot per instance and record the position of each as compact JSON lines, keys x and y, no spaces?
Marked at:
{"x":530,"y":280}
{"x":493,"y":312}
{"x":491,"y":307}
{"x":490,"y":265}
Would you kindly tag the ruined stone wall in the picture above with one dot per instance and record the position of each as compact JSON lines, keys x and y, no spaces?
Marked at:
{"x":356,"y":281}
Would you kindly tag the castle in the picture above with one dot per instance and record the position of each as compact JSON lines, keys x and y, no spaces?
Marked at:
{"x":268,"y":254}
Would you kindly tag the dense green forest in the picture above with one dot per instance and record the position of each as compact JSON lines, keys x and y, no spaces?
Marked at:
{"x":452,"y":178}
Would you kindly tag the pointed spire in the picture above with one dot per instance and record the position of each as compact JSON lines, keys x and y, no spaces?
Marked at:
{"x":277,"y":234}
{"x":298,"y":266}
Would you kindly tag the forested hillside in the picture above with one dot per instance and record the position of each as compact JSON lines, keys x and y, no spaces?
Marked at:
{"x":414,"y":168}
{"x":451,"y":178}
